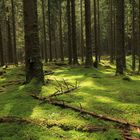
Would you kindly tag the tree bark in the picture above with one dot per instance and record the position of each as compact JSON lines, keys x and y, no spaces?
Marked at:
{"x":34,"y":68}
{"x":14,"y":32}
{"x":120,"y":52}
{"x":74,"y":42}
{"x":89,"y":59}
{"x":44,"y":31}
{"x":60,"y":32}
{"x":49,"y":26}
{"x":1,"y":49}
{"x":69,"y":32}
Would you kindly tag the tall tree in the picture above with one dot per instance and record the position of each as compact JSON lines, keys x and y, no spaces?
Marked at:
{"x":10,"y":46}
{"x":60,"y":32}
{"x":89,"y":60}
{"x":69,"y":32}
{"x":34,"y":68}
{"x":82,"y":35}
{"x":95,"y":34}
{"x":44,"y":30}
{"x":14,"y":32}
{"x":50,"y":33}
{"x":120,"y":52}
{"x":110,"y":36}
{"x":133,"y":35}
{"x":139,"y":38}
{"x":73,"y":25}
{"x":1,"y":49}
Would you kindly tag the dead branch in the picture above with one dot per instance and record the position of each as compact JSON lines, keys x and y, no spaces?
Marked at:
{"x":18,"y":82}
{"x":99,"y":116}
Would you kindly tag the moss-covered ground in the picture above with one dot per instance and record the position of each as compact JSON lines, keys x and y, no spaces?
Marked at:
{"x":99,"y":91}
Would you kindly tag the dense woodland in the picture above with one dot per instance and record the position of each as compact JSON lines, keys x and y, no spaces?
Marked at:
{"x":70,"y":69}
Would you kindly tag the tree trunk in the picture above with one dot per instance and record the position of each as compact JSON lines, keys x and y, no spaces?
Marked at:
{"x":139,"y":37}
{"x":49,"y":26}
{"x":14,"y":32}
{"x":10,"y":47}
{"x":34,"y":68}
{"x":60,"y":32}
{"x":1,"y":50}
{"x":69,"y":32}
{"x":95,"y":35}
{"x":120,"y":52}
{"x":44,"y":31}
{"x":133,"y":37}
{"x":74,"y":42}
{"x":82,"y":37}
{"x":89,"y":60}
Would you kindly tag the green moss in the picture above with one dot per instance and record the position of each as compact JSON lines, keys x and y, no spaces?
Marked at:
{"x":109,"y":95}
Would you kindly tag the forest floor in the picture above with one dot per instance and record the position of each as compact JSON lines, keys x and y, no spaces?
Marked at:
{"x":99,"y":91}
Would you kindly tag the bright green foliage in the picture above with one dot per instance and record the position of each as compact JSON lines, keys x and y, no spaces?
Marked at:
{"x":106,"y":94}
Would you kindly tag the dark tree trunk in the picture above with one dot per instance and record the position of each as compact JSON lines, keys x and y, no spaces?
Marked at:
{"x":69,"y":32}
{"x":44,"y":31}
{"x":60,"y":32}
{"x":49,"y":26}
{"x":1,"y":50}
{"x":139,"y":38}
{"x":34,"y":68}
{"x":133,"y":37}
{"x":74,"y":43}
{"x":82,"y":36}
{"x":10,"y":47}
{"x":120,"y":52}
{"x":14,"y":32}
{"x":111,"y":31}
{"x":95,"y":35}
{"x":89,"y":59}
{"x":99,"y":40}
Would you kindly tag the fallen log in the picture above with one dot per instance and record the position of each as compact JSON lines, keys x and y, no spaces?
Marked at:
{"x":45,"y":123}
{"x":83,"y":111}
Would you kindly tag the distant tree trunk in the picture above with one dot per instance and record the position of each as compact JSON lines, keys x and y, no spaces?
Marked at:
{"x":1,"y":50}
{"x":89,"y":59}
{"x":133,"y":37}
{"x":10,"y":47}
{"x":34,"y":68}
{"x":74,"y":43}
{"x":95,"y":35}
{"x":69,"y":32}
{"x":49,"y":26}
{"x":99,"y":40}
{"x":44,"y":31}
{"x":120,"y":55}
{"x":60,"y":32}
{"x":111,"y":31}
{"x":139,"y":37}
{"x":82,"y":36}
{"x":14,"y":32}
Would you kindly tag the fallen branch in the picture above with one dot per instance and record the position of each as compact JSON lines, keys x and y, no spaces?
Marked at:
{"x":45,"y":123}
{"x":99,"y":116}
{"x":58,"y":93}
{"x":63,"y":88}
{"x":18,"y":82}
{"x":48,"y":72}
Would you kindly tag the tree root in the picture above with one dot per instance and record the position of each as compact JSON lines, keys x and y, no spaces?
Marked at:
{"x":45,"y":123}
